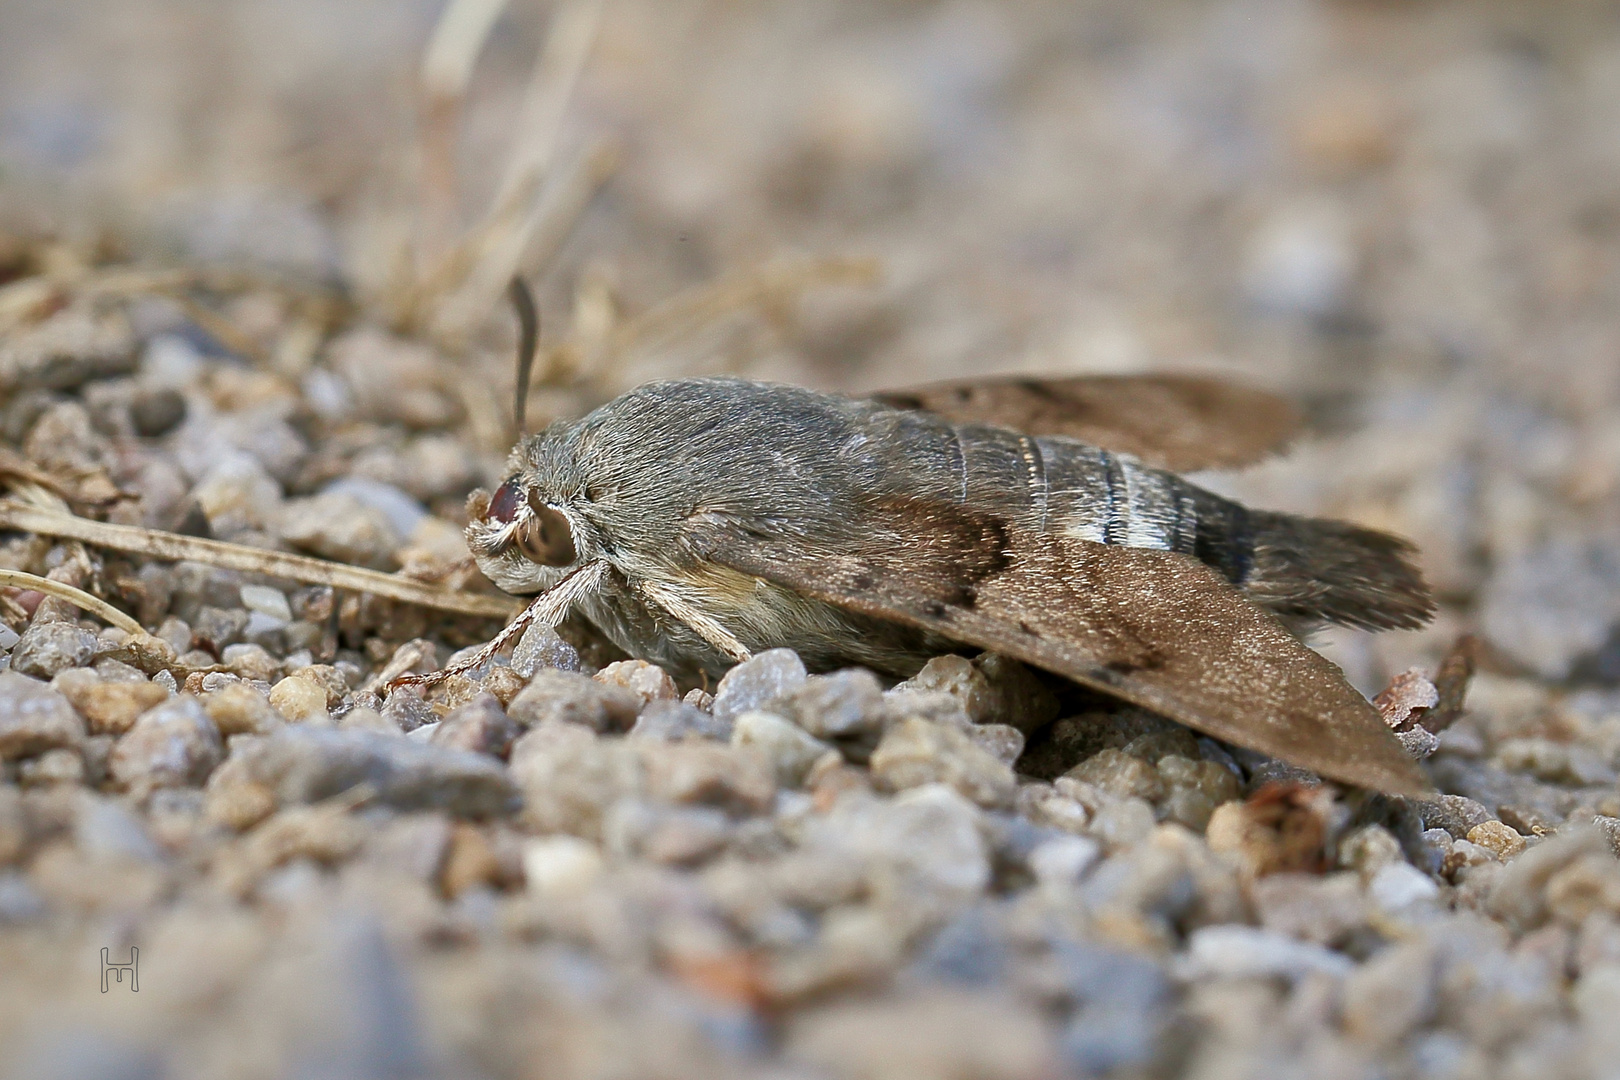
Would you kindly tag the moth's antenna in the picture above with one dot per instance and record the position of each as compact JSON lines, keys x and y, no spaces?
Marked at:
{"x":528,"y":342}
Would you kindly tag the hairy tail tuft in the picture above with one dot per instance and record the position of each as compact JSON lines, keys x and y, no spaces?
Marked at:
{"x":1309,"y":571}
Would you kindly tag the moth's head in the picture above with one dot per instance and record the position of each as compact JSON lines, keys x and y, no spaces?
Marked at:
{"x":530,"y":531}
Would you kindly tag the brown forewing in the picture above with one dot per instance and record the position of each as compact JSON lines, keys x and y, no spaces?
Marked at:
{"x":1153,"y":628}
{"x":1177,"y":422}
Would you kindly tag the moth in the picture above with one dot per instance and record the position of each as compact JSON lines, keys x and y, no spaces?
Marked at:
{"x":698,"y":521}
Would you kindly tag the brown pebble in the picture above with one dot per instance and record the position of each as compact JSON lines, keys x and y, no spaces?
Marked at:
{"x":1496,"y":837}
{"x":569,"y":697}
{"x":649,"y":682}
{"x":112,"y":708}
{"x":917,"y":752}
{"x":59,"y":766}
{"x":1121,"y":774}
{"x":737,"y":779}
{"x":1281,"y":827}
{"x":238,"y":709}
{"x":504,"y":683}
{"x":299,"y":699}
{"x":470,"y":862}
{"x":481,"y":725}
{"x":172,"y":745}
{"x":830,"y":777}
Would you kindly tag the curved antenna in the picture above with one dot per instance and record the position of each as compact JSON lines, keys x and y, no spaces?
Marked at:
{"x":528,"y":342}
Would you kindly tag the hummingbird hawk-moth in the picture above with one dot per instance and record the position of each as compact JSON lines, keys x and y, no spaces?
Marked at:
{"x":697,"y":521}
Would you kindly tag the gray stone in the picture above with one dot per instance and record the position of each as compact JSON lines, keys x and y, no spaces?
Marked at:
{"x":215,"y":629}
{"x":34,"y":718}
{"x":1120,"y":1015}
{"x":409,"y":711}
{"x":46,"y":648}
{"x":237,"y":494}
{"x":307,"y":764}
{"x":340,"y":527}
{"x":174,"y":744}
{"x":542,"y":647}
{"x":928,"y":838}
{"x":554,"y":696}
{"x":789,"y":748}
{"x":1456,"y":814}
{"x":403,"y":512}
{"x":106,"y":828}
{"x":672,"y":721}
{"x":480,"y":725}
{"x":755,"y":683}
{"x":917,"y":752}
{"x":66,"y":350}
{"x":842,"y":706}
{"x":1238,"y":952}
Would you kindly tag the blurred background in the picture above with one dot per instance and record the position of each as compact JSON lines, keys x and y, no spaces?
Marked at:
{"x":1402,"y":212}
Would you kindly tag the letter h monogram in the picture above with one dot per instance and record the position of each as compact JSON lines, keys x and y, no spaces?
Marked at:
{"x":117,"y":970}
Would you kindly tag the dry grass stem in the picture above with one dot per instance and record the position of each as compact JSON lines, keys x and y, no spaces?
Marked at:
{"x":311,"y":571}
{"x":96,"y":606}
{"x":556,"y":72}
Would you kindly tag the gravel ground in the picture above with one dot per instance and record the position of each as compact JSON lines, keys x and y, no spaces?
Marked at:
{"x":568,"y":866}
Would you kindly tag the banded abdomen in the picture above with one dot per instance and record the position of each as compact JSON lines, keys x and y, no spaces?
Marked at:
{"x":1305,"y":570}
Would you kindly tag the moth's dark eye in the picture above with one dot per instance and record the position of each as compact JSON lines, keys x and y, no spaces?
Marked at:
{"x":545,"y":538}
{"x":503,"y":505}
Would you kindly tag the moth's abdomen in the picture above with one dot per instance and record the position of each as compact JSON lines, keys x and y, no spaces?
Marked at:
{"x":1307,"y":571}
{"x":1072,"y":489}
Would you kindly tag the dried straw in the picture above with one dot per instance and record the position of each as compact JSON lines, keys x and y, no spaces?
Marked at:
{"x":77,"y":597}
{"x":175,"y":547}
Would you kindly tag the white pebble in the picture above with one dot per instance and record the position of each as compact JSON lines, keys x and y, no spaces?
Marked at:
{"x":1234,"y":952}
{"x":1399,"y":885}
{"x":1064,"y":860}
{"x":267,"y":601}
{"x":560,"y":866}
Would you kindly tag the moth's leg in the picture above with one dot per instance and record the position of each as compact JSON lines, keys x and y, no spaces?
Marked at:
{"x":548,"y":609}
{"x":705,"y":626}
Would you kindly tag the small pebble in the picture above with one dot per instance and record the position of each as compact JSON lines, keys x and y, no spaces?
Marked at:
{"x":756,"y":682}
{"x":340,"y":527}
{"x":238,"y":709}
{"x":1237,"y":952}
{"x":408,"y":711}
{"x":173,"y":745}
{"x":916,"y":752}
{"x":541,"y":647}
{"x":300,"y":699}
{"x":1064,"y":860}
{"x":842,"y":706}
{"x":649,"y":682}
{"x":673,"y":721}
{"x":560,"y":866}
{"x":555,"y":696}
{"x":110,"y":707}
{"x":34,"y":718}
{"x":1501,"y":840}
{"x":1398,"y":885}
{"x":46,"y":648}
{"x":789,"y":748}
{"x":1121,"y":774}
{"x":481,"y":725}
{"x":59,"y":766}
{"x":267,"y":601}
{"x":251,"y":662}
